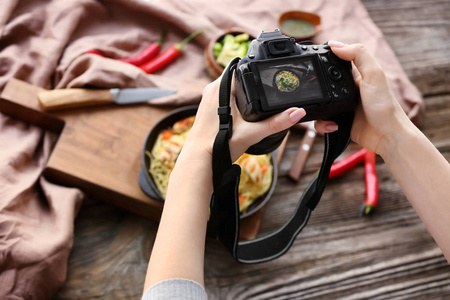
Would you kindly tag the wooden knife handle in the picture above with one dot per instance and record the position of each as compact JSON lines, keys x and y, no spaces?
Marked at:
{"x":302,"y":154}
{"x":72,"y":98}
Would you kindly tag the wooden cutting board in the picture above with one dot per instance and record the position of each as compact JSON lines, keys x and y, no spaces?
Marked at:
{"x":99,"y":148}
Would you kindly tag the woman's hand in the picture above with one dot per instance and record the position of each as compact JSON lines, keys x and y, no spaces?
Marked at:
{"x":379,"y":113}
{"x":382,"y":126}
{"x":179,"y":247}
{"x":245,"y":134}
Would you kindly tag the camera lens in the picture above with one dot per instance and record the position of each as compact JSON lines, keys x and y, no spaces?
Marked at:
{"x":335,"y":73}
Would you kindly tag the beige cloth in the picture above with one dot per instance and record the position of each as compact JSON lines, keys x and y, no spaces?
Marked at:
{"x":43,"y":42}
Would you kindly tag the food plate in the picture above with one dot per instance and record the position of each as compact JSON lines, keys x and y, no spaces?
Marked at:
{"x":147,"y":182}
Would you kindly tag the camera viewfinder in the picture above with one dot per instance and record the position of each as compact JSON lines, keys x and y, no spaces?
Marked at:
{"x":280,"y":47}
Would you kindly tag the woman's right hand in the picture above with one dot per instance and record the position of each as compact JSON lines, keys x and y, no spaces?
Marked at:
{"x":382,"y":126}
{"x":379,"y":114}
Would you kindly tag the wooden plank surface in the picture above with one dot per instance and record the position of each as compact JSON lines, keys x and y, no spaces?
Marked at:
{"x":339,"y":255}
{"x":98,"y":149}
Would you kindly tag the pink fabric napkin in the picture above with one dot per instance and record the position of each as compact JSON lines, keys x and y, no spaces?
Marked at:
{"x":36,"y":217}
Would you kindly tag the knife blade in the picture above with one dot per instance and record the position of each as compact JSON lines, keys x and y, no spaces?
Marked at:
{"x":78,"y":97}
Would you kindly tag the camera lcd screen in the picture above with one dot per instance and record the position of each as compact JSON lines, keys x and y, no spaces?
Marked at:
{"x":290,"y":81}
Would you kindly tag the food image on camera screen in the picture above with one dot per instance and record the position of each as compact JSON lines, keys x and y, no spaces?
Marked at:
{"x":289,"y":82}
{"x":286,"y":81}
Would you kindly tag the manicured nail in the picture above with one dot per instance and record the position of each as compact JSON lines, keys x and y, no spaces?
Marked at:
{"x":331,"y":127}
{"x":296,"y":115}
{"x":335,"y":44}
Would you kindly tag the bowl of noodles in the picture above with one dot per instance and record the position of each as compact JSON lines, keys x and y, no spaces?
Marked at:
{"x":163,"y":145}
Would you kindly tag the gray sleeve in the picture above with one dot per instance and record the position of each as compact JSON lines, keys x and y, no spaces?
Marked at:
{"x":175,"y":289}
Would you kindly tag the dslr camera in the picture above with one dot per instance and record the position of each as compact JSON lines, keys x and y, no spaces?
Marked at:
{"x":278,"y":73}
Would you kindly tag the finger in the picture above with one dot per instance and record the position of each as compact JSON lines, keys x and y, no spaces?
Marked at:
{"x":233,"y":87}
{"x":325,"y":126}
{"x":282,"y":121}
{"x":356,"y":74}
{"x":274,"y":124}
{"x":366,"y":64}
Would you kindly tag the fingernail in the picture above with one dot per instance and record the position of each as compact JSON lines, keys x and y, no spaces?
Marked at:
{"x":331,"y":127}
{"x":297,"y":114}
{"x":335,"y":44}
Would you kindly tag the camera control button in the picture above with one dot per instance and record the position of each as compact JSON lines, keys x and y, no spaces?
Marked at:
{"x":304,"y":47}
{"x":333,"y":87}
{"x":345,"y":90}
{"x":326,"y":47}
{"x":315,"y":47}
{"x":335,"y":73}
{"x":335,"y":95}
{"x":324,"y":59}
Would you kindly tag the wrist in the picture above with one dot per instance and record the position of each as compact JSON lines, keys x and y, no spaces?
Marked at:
{"x":195,"y":152}
{"x":193,"y":162}
{"x":396,"y":142}
{"x":192,"y":174}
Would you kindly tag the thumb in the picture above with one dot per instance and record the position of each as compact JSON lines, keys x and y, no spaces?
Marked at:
{"x":368,"y":68}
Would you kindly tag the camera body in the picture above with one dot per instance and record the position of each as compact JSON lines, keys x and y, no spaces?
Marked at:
{"x":279,"y":73}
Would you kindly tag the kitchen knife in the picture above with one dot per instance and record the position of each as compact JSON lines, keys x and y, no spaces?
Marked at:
{"x":72,"y":98}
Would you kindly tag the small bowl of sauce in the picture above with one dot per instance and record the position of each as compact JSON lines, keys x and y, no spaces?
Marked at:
{"x":301,"y":25}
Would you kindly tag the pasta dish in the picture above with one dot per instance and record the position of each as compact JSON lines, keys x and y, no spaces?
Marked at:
{"x":256,"y":170}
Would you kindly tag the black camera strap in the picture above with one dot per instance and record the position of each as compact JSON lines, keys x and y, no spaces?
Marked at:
{"x":224,"y":222}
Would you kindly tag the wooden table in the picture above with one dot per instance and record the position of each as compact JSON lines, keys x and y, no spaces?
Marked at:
{"x":389,"y":255}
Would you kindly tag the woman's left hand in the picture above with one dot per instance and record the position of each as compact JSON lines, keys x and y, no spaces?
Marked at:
{"x":245,"y":134}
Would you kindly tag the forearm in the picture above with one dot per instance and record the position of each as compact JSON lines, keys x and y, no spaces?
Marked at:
{"x":424,"y":176}
{"x":178,"y":251}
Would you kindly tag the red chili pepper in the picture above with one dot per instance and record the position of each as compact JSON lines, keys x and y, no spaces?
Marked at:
{"x":371,"y":182}
{"x":145,"y":55}
{"x":168,"y":55}
{"x":347,"y":163}
{"x":148,"y":53}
